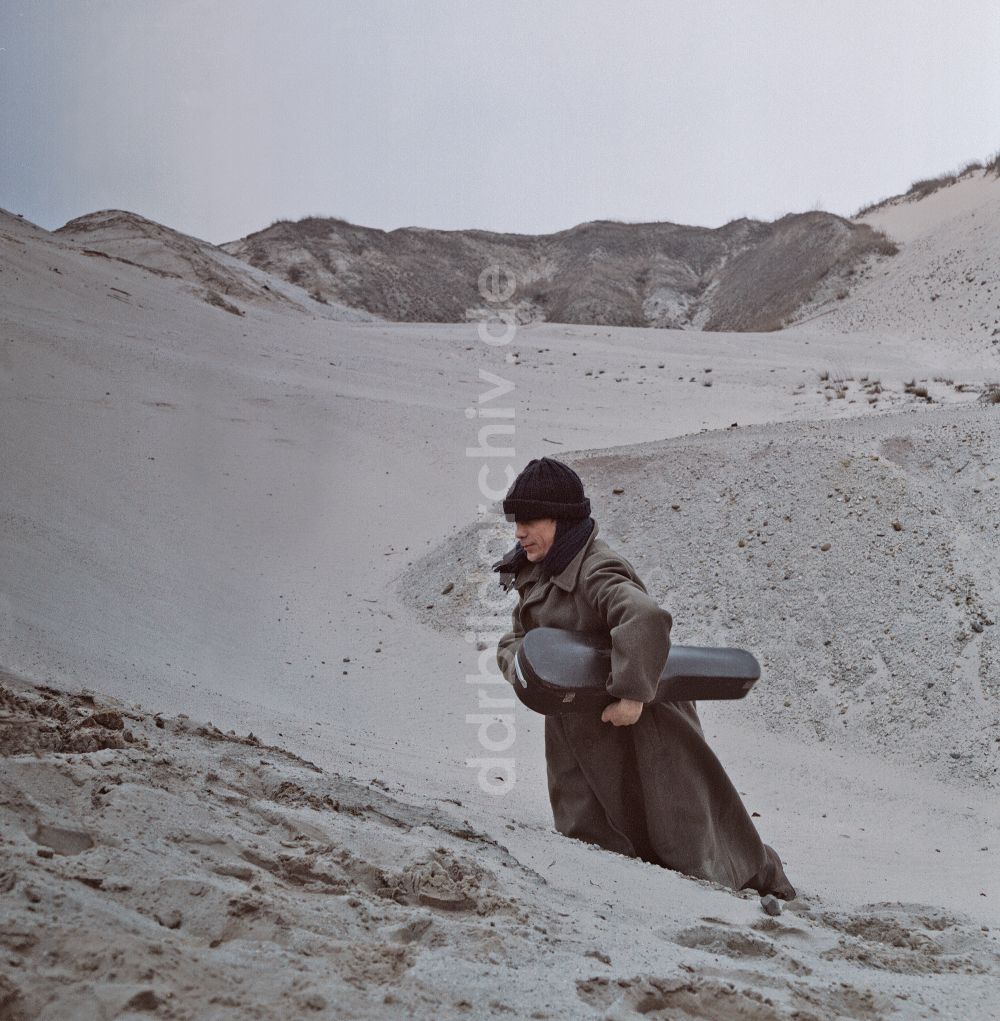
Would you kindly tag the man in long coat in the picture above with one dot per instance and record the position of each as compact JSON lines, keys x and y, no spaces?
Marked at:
{"x":640,"y":779}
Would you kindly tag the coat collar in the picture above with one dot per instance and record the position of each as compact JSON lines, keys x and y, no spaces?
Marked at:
{"x":566,"y":578}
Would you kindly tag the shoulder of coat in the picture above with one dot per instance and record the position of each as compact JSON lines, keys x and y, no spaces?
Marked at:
{"x":601,"y":554}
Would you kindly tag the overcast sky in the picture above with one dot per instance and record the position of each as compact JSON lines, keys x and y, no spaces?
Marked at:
{"x":218,"y":116}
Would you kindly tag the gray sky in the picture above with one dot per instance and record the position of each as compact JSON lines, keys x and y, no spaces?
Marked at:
{"x":218,"y":116}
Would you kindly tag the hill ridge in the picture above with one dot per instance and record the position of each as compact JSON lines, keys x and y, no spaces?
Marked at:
{"x":603,"y":272}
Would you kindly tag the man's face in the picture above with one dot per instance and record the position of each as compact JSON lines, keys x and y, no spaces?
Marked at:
{"x":536,"y":537}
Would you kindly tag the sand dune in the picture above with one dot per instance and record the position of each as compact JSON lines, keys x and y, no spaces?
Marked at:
{"x":745,"y":275}
{"x":252,"y":519}
{"x":944,"y":284}
{"x":219,"y":279}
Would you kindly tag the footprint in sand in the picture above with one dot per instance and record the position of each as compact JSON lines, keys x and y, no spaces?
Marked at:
{"x":679,"y":999}
{"x":717,"y":939}
{"x":910,"y":939}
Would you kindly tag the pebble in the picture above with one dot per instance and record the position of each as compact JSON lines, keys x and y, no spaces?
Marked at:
{"x":771,"y":905}
{"x":826,"y":546}
{"x":144,"y":1000}
{"x":170,"y":919}
{"x":448,"y":588}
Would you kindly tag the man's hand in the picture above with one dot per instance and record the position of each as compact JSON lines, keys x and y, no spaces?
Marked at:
{"x":623,"y":713}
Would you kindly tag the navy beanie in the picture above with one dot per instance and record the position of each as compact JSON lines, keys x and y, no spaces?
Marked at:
{"x":546,"y":488}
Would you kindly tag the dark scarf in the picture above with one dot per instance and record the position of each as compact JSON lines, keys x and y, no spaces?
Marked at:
{"x":571,"y":537}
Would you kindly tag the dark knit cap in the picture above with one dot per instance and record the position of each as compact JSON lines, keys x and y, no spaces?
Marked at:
{"x":546,"y":489}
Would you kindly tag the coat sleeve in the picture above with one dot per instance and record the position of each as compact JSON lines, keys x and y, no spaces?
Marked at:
{"x":640,"y":630}
{"x":509,"y":644}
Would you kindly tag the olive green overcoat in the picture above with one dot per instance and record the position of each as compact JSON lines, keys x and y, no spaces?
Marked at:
{"x":653,"y":790}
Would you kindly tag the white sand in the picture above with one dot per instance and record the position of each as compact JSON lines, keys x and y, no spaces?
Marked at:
{"x":207,"y":514}
{"x":942,"y":289}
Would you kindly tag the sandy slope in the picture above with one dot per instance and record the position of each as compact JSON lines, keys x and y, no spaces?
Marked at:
{"x":152,"y":865}
{"x":944,"y":284}
{"x":213,"y":274}
{"x":229,"y":516}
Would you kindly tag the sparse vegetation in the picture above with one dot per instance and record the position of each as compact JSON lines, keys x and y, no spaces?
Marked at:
{"x":928,"y":185}
{"x":536,"y":293}
{"x":872,"y":207}
{"x":990,"y":394}
{"x":216,"y":299}
{"x":884,"y":245}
